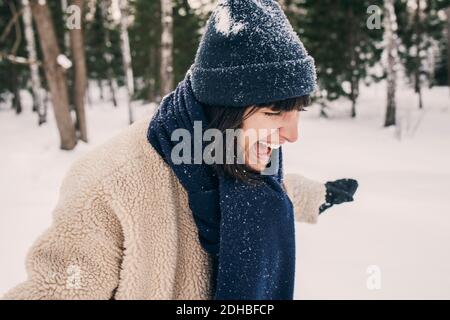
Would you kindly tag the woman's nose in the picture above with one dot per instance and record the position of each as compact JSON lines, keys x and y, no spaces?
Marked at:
{"x":289,"y":129}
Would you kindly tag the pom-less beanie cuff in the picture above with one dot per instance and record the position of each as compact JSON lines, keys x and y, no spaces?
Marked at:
{"x":250,"y":84}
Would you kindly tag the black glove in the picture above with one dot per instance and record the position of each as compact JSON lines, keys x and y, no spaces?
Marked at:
{"x":338,"y":191}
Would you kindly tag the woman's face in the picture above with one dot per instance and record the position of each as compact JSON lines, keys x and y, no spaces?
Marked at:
{"x":265,"y":130}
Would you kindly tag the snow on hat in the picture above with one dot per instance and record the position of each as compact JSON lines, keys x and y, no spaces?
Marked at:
{"x":250,"y":54}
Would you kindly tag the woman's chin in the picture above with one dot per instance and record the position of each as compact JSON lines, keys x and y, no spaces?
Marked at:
{"x":260,"y":163}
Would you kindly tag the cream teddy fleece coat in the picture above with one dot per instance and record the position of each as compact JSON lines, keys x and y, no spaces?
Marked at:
{"x":122,"y":229}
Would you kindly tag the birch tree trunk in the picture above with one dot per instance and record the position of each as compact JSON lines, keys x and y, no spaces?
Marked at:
{"x":447,"y":11}
{"x":391,"y":51}
{"x":418,"y":39}
{"x":106,"y":55}
{"x":79,"y":61}
{"x":166,"y":71}
{"x":54,"y":73}
{"x":38,"y":101}
{"x":66,"y":34}
{"x":126,"y":56}
{"x":153,"y":94}
{"x":354,"y":80}
{"x":16,"y":101}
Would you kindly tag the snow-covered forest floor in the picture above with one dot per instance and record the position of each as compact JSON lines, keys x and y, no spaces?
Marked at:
{"x":399,"y":222}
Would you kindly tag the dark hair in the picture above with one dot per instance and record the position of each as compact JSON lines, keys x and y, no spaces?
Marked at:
{"x":223,"y":117}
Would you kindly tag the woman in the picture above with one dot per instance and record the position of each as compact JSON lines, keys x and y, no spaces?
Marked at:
{"x":144,"y":217}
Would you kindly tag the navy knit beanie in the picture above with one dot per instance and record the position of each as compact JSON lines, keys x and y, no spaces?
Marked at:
{"x":250,"y":54}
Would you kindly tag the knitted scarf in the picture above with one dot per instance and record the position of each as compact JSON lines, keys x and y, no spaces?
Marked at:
{"x":247,"y":229}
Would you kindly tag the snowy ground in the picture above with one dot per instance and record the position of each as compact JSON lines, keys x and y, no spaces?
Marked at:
{"x":399,"y":223}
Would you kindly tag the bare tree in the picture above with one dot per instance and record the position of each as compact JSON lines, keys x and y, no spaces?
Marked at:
{"x":66,"y":33}
{"x":54,"y":73}
{"x":36,"y":87}
{"x":12,"y":55}
{"x":391,"y":52}
{"x":79,"y":60}
{"x":107,"y":55}
{"x":166,"y":71}
{"x":447,"y":11}
{"x":418,"y":39}
{"x":126,"y":55}
{"x":353,"y":41}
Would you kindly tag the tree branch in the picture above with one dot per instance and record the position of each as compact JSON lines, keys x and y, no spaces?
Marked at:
{"x":10,"y":24}
{"x":17,"y":60}
{"x":17,"y":27}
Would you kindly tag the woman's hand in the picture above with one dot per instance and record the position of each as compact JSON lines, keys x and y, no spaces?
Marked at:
{"x":338,"y":191}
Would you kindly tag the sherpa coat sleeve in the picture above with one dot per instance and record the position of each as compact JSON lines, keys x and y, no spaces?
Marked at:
{"x":79,"y":256}
{"x":306,"y":195}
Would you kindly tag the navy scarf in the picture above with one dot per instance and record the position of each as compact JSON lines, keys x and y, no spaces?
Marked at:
{"x":247,"y":229}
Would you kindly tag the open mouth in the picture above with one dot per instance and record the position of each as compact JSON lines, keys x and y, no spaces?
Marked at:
{"x":264,"y":150}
